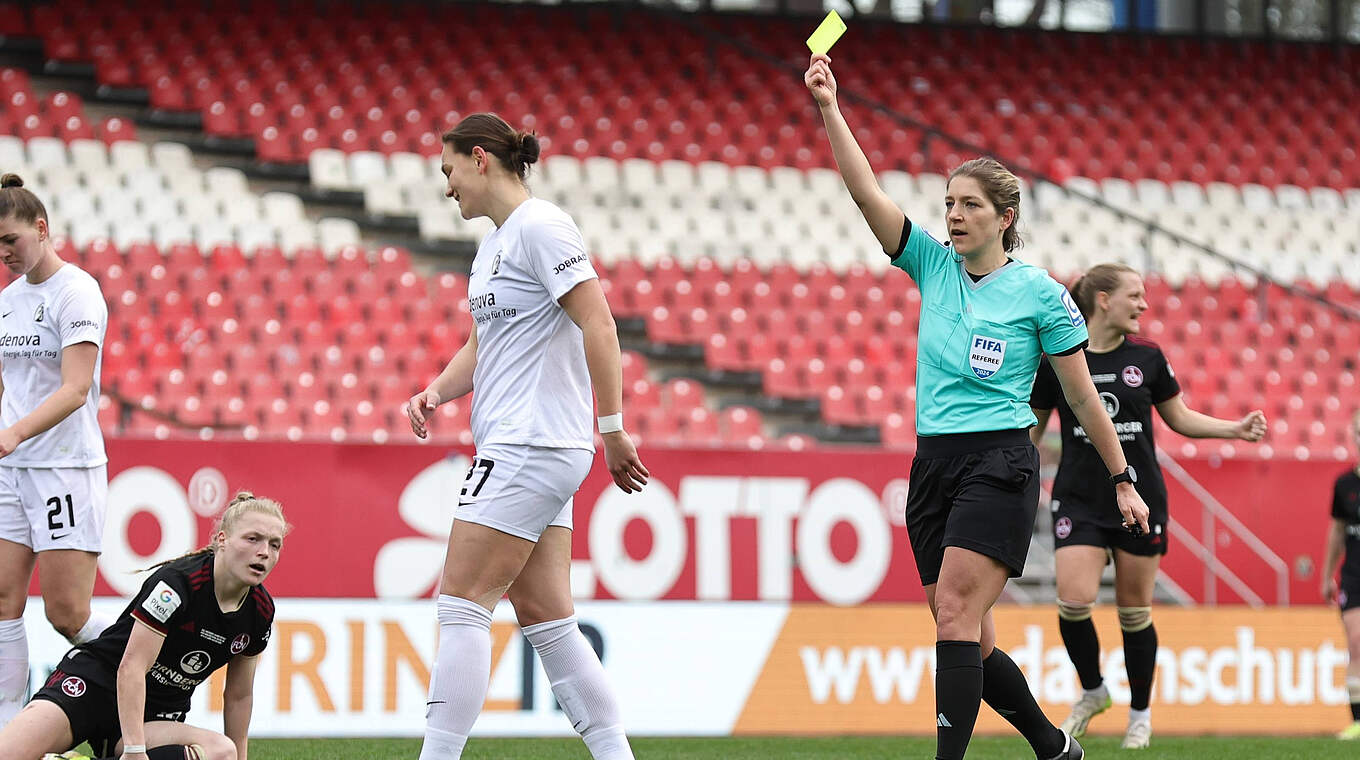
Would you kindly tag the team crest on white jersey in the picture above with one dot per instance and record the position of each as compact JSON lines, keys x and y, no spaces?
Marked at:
{"x":1133,"y":377}
{"x":986,"y":355}
{"x":38,"y":315}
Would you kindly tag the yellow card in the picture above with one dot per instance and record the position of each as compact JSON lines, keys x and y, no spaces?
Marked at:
{"x":827,"y":33}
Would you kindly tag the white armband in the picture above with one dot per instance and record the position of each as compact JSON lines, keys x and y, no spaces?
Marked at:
{"x":610,"y":423}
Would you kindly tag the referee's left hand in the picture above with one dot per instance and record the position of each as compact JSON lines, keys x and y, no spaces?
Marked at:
{"x":621,"y":457}
{"x":1252,"y":427}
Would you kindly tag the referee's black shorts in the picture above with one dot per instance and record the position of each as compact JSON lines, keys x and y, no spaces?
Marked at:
{"x":976,"y":491}
{"x":84,"y":689}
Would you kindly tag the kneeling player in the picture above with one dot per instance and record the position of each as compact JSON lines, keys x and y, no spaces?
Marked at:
{"x":127,"y":692}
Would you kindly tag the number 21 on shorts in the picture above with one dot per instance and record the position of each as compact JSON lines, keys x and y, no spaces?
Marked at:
{"x":54,"y":514}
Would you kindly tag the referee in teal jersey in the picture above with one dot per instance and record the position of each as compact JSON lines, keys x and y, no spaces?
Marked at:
{"x":986,"y":320}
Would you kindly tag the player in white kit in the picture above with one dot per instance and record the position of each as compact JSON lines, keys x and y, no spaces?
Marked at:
{"x":543,"y":336}
{"x":53,"y":482}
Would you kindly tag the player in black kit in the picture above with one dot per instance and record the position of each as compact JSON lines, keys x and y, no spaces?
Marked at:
{"x":1343,"y":545}
{"x":1132,"y":376}
{"x":127,"y":692}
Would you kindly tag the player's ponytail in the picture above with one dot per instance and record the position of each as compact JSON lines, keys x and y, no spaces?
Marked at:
{"x":1101,"y":278}
{"x":243,"y":502}
{"x":514,"y":149}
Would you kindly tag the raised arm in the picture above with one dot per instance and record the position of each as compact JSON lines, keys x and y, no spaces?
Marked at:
{"x":884,"y":217}
{"x":1081,"y":395}
{"x":1193,"y":424}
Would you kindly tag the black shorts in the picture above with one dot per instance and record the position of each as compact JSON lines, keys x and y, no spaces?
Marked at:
{"x":1348,"y":594}
{"x":1076,"y":524}
{"x":976,"y":491}
{"x":83,"y":688}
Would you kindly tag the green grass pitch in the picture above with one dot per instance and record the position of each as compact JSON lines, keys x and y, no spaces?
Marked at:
{"x":840,"y":748}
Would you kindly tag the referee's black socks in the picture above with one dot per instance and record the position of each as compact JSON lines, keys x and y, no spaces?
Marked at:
{"x":1005,"y":690}
{"x":958,"y":694}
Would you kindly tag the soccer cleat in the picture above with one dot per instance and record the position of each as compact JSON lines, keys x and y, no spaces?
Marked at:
{"x":1350,"y":733}
{"x":1138,"y":736}
{"x":1089,"y":706}
{"x":1071,"y":749}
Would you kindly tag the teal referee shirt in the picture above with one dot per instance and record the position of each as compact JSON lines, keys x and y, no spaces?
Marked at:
{"x":980,"y":342}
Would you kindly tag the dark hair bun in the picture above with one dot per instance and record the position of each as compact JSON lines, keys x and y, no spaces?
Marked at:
{"x":528,"y":148}
{"x":14,"y":180}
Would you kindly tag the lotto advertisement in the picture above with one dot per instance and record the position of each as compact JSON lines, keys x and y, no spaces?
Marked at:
{"x":738,"y":594}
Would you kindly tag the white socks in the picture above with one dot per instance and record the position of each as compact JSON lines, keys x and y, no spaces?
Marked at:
{"x":462,"y":670}
{"x":13,"y":668}
{"x":578,"y":681}
{"x":458,"y":681}
{"x":94,"y":626}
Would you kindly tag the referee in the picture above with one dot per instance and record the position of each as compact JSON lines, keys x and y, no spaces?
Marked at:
{"x":1132,"y":376}
{"x":985,"y":321}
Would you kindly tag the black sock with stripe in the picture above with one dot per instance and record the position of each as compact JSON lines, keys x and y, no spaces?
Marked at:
{"x":958,"y":695}
{"x":1005,"y":690}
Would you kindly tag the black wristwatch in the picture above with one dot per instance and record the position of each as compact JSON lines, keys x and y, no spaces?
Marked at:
{"x":1129,"y":475}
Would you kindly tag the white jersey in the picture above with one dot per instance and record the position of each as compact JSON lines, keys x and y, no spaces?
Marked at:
{"x":531,"y":385}
{"x":36,"y":323}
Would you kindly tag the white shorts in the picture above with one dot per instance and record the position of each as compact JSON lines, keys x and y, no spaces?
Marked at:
{"x":521,"y":490}
{"x":54,"y":507}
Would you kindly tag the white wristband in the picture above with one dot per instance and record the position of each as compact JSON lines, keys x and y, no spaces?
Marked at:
{"x":134,"y":749}
{"x":611,"y":423}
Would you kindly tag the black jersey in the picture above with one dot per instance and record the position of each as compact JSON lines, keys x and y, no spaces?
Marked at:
{"x":1131,"y":379}
{"x":178,"y":601}
{"x":1346,"y":507}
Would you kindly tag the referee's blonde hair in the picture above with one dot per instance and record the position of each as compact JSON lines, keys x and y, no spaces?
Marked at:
{"x":1003,"y":190}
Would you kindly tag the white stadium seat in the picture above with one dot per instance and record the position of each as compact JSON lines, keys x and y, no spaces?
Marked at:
{"x":328,"y":169}
{"x":129,"y":154}
{"x":334,"y":233}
